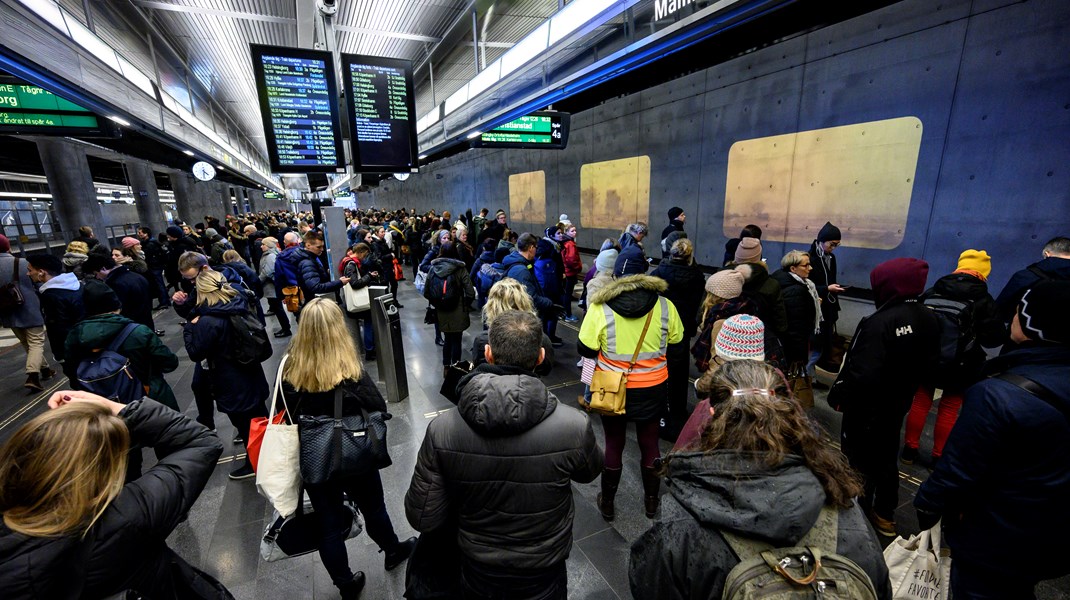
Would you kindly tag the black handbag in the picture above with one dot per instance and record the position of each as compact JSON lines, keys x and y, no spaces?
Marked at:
{"x":338,"y":447}
{"x":286,"y":537}
{"x":454,"y":374}
{"x":431,"y":316}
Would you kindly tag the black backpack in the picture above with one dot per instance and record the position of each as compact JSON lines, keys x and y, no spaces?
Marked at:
{"x":444,"y":293}
{"x":958,"y":336}
{"x":248,"y":341}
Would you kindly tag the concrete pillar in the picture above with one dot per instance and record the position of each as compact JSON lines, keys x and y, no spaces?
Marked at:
{"x":142,"y":181}
{"x":74,"y":197}
{"x":224,"y":196}
{"x":256,"y":200}
{"x":186,"y":199}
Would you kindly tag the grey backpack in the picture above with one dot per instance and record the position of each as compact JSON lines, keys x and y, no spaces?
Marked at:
{"x":812,"y":569}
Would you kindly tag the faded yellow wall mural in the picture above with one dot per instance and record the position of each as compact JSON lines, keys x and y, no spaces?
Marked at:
{"x":858,"y":176}
{"x":527,"y":197}
{"x":615,"y":193}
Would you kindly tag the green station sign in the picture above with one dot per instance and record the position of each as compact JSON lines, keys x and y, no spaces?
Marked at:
{"x":546,"y":129}
{"x":28,"y":108}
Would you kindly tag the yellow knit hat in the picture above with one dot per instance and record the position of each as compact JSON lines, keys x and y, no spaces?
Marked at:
{"x":976,"y":260}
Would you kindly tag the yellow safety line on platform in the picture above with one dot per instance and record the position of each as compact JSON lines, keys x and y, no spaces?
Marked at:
{"x":33,"y":402}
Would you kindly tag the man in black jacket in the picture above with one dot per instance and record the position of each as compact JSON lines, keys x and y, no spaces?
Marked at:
{"x":311,"y":275}
{"x":501,"y":466}
{"x":132,"y":289}
{"x":178,"y":243}
{"x":156,"y":259}
{"x":676,"y":224}
{"x":889,"y":357}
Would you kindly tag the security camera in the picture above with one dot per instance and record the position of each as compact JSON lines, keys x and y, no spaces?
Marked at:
{"x":328,"y":7}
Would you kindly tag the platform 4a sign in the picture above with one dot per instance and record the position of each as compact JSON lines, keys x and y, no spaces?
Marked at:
{"x":668,"y":8}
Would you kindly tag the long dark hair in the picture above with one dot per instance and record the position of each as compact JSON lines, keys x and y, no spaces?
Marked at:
{"x":448,"y":250}
{"x":753,"y":412}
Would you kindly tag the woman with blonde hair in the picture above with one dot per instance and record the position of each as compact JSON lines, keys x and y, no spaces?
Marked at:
{"x":239,"y":389}
{"x":757,"y":440}
{"x":71,"y":528}
{"x":504,"y":296}
{"x":321,"y":362}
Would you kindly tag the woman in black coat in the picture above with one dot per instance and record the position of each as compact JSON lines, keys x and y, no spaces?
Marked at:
{"x":801,"y":304}
{"x":239,"y":389}
{"x":71,"y":528}
{"x":322,"y":360}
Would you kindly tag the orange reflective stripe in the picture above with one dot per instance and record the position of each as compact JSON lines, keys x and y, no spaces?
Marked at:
{"x":647,"y":372}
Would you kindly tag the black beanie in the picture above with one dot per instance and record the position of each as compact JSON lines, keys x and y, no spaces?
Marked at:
{"x":1041,"y":312}
{"x":829,"y":233}
{"x":98,"y":298}
{"x":674,"y":212}
{"x":175,"y":231}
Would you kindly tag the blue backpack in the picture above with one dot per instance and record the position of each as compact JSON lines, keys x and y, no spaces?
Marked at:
{"x":109,"y":374}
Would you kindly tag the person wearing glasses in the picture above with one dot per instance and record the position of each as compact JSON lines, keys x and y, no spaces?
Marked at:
{"x":823,"y":276}
{"x":802,"y":303}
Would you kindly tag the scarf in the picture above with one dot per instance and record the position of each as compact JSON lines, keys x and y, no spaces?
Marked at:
{"x":810,"y":287}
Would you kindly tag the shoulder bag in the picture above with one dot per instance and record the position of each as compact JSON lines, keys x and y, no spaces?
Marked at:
{"x":338,"y":447}
{"x":357,"y":300}
{"x":608,"y":388}
{"x":287,"y":537}
{"x":11,"y":294}
{"x":274,"y":451}
{"x":801,"y":385}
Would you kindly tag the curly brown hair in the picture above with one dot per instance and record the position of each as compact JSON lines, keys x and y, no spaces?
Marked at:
{"x":755,"y":413}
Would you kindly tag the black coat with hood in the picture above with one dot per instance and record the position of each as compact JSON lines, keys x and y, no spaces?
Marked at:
{"x":686,"y":291}
{"x":126,"y":549}
{"x":765,"y":290}
{"x":61,"y":303}
{"x":237,"y":387}
{"x":1052,"y":267}
{"x":684,"y":555}
{"x":501,"y":468}
{"x":133,"y":292}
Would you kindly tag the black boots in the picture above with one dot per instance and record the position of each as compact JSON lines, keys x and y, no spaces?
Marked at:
{"x":651,"y":487}
{"x":610,"y":482}
{"x":351,"y":590}
{"x":399,"y":554}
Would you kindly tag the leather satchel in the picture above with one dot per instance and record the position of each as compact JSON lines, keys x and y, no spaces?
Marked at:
{"x":11,"y":294}
{"x":609,"y":388}
{"x":338,"y":447}
{"x":801,"y":385}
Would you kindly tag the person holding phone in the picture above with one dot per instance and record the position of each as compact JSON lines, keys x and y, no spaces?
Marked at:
{"x":363,"y":271}
{"x":823,"y":275}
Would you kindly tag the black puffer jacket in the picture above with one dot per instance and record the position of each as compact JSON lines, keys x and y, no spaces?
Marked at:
{"x":502,"y":465}
{"x":686,"y":291}
{"x":313,"y":277}
{"x":127,"y":547}
{"x":801,"y":313}
{"x":684,"y":556}
{"x":987,"y":326}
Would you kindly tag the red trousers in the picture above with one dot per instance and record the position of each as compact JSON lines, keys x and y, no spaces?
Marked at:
{"x":946,"y":415}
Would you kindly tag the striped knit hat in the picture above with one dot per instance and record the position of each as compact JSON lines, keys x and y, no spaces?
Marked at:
{"x":741,"y":338}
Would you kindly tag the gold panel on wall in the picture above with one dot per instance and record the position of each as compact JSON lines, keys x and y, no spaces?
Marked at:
{"x":527,"y":197}
{"x":859,"y":176}
{"x":615,"y":193}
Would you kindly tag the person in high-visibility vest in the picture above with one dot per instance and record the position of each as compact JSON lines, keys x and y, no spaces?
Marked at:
{"x":610,"y":332}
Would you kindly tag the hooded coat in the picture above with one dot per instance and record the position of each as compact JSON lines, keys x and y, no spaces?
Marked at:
{"x":312,"y":276}
{"x":133,"y":292}
{"x":523,"y":270}
{"x":149,"y":357}
{"x":61,"y":301}
{"x":1052,"y":267}
{"x":501,"y":466}
{"x":1003,"y":481}
{"x":686,"y":291}
{"x":683,"y":555}
{"x":824,"y":274}
{"x":72,"y":263}
{"x":237,"y":387}
{"x":456,"y":320}
{"x":987,"y":326}
{"x":126,"y":549}
{"x":549,"y":268}
{"x":767,"y":294}
{"x":631,"y":259}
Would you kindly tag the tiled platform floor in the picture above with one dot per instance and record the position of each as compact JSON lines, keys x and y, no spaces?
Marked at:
{"x":223,"y":531}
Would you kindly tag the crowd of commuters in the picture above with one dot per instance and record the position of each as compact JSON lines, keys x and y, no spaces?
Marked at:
{"x":491,"y":488}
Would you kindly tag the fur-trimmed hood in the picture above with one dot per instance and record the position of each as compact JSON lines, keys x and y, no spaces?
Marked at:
{"x":632,"y":296}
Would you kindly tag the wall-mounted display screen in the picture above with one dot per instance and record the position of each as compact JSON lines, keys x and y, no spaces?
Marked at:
{"x":299,"y":107}
{"x":27,"y":108}
{"x":382,"y":113}
{"x":544,"y":129}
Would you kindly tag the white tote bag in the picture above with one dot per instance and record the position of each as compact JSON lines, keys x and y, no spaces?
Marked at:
{"x":356,"y":300}
{"x":919,"y":568}
{"x":278,"y":475}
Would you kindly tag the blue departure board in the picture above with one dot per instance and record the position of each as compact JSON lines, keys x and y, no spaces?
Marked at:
{"x":382,"y":113}
{"x":299,"y":107}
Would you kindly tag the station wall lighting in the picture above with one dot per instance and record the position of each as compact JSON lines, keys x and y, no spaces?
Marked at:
{"x":119,"y":120}
{"x":187,"y":153}
{"x":474,"y":134}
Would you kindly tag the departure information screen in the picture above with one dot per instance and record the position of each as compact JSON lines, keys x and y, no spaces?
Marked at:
{"x":382,"y":113}
{"x":299,"y":107}
{"x":546,"y":129}
{"x":27,"y":108}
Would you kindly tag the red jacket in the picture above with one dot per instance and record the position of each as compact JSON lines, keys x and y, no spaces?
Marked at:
{"x":570,"y":255}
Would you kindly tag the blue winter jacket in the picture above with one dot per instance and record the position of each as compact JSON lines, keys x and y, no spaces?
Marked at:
{"x":312,"y":276}
{"x":549,"y":269}
{"x":1003,"y":482}
{"x":1007,"y":302}
{"x":237,"y":387}
{"x":631,"y":260}
{"x":521,"y":269}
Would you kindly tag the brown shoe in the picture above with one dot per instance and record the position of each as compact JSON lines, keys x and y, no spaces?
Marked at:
{"x":33,"y":383}
{"x":884,"y":527}
{"x":47,"y":373}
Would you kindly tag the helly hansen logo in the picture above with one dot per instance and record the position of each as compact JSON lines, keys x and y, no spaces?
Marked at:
{"x":901,"y":331}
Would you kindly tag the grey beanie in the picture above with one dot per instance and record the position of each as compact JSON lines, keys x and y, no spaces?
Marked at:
{"x":605,"y":261}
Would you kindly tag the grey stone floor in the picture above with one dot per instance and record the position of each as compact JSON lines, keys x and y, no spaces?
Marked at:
{"x":223,"y":532}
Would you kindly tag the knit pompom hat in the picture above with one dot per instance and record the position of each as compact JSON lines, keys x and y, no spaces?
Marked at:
{"x":741,"y":338}
{"x":725,"y":284}
{"x":129,"y":242}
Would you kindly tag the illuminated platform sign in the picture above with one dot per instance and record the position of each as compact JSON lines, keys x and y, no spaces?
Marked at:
{"x":299,"y":106}
{"x":27,"y":108}
{"x":546,"y":129}
{"x":382,"y":112}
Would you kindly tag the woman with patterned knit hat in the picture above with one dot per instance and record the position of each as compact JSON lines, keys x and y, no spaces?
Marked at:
{"x":964,"y":292}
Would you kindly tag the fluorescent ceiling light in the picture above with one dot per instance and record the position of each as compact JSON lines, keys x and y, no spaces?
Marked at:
{"x":294,"y":175}
{"x":119,"y":120}
{"x":422,"y":156}
{"x":88,"y":40}
{"x":575,"y":15}
{"x":457,"y":99}
{"x":486,"y":78}
{"x":526,"y":49}
{"x":49,"y":11}
{"x":475,"y":134}
{"x":219,"y":167}
{"x":136,"y":77}
{"x":187,"y":153}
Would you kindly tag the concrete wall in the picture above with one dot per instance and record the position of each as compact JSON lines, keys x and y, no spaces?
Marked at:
{"x":988,"y":79}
